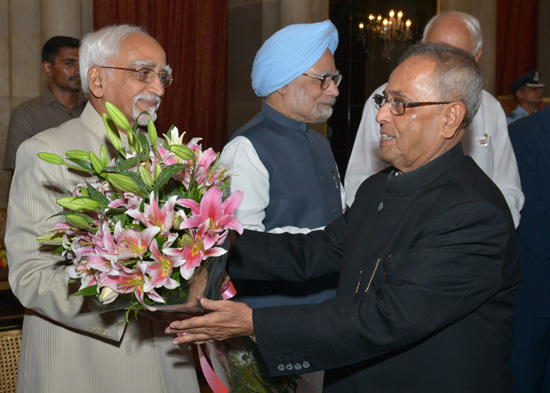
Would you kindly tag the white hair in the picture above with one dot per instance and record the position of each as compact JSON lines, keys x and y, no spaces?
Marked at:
{"x":456,"y":77}
{"x":99,"y":46}
{"x":471,"y":22}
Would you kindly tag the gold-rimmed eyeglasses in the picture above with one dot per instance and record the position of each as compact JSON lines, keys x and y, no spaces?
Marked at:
{"x":148,"y":75}
{"x":327,"y":79}
{"x":397,"y":105}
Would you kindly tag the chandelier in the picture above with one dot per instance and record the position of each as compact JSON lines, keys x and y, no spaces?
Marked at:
{"x":391,"y":31}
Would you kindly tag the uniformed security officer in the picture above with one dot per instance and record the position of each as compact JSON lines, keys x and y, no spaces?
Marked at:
{"x":528,"y":92}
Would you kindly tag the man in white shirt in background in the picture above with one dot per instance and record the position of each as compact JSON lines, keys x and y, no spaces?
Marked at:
{"x":486,"y":140}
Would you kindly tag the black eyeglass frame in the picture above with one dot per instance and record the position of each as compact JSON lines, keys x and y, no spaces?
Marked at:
{"x":380,"y":100}
{"x":164,"y":82}
{"x":336,"y":78}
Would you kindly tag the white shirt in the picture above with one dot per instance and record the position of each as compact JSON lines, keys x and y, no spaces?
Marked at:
{"x":252,"y":179}
{"x":486,"y":140}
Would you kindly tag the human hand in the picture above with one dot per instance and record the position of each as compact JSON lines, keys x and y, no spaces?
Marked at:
{"x":225,"y":319}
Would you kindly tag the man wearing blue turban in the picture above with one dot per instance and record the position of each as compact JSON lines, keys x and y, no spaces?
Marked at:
{"x":287,"y":171}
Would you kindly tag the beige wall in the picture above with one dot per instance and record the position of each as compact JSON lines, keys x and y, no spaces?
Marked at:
{"x":24,"y":26}
{"x":486,"y":12}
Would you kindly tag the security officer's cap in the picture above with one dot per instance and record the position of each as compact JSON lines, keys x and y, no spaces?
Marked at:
{"x":531,"y":79}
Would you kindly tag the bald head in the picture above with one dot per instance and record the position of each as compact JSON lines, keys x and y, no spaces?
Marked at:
{"x":455,"y":29}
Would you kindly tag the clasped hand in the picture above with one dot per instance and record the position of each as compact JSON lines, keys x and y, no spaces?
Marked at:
{"x":224,"y":319}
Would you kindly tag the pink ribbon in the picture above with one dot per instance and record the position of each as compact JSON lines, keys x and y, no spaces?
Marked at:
{"x":213,"y":380}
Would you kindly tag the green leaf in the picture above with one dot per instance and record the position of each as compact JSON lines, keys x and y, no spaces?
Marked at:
{"x":168,"y":173}
{"x":97,"y":196}
{"x":144,"y":145}
{"x":51,"y":158}
{"x":117,"y":116}
{"x":128,"y":163}
{"x":88,"y":291}
{"x":84,"y":165}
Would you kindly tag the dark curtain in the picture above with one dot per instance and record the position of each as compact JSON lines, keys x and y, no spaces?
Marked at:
{"x":517,"y":36}
{"x":194,"y":35}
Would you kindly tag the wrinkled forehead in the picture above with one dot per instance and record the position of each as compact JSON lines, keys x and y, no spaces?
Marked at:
{"x":412,"y":78}
{"x":142,"y":50}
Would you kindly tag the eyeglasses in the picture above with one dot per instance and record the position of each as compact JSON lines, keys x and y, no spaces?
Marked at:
{"x":397,"y":105}
{"x":327,"y":79}
{"x":148,"y":75}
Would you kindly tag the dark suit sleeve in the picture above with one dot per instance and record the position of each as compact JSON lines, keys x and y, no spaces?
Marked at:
{"x":454,"y":266}
{"x":531,"y":150}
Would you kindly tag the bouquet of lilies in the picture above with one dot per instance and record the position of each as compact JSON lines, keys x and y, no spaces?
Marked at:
{"x":141,"y":235}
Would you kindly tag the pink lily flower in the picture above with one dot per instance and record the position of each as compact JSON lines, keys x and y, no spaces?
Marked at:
{"x":195,"y":251}
{"x":221,"y":215}
{"x":152,"y":216}
{"x":161,"y":269}
{"x":131,"y":281}
{"x":136,"y":242}
{"x":84,"y":272}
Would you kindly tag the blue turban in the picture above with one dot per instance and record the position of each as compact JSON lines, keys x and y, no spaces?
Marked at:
{"x":289,"y":53}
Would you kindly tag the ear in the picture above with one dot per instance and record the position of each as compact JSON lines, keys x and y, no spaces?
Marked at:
{"x":47,"y":68}
{"x":283,"y":90}
{"x":96,"y":76}
{"x":478,"y":54}
{"x":454,"y":116}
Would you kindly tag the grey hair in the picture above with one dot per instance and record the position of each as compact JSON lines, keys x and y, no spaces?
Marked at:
{"x":457,"y":76}
{"x":100,"y":46}
{"x":471,"y":22}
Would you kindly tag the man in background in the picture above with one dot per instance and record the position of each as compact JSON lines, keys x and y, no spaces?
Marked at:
{"x":60,"y":102}
{"x":427,"y":255}
{"x":530,"y":355}
{"x":528,"y":91}
{"x":286,"y":170}
{"x":486,"y":140}
{"x":66,"y":346}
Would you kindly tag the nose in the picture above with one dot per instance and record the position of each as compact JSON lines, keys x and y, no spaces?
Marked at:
{"x":156,"y":87}
{"x":384,"y":115}
{"x":332,"y":90}
{"x":77,"y":69}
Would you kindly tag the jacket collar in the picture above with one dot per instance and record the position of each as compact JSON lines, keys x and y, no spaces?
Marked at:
{"x":283,"y":120}
{"x":427,"y":173}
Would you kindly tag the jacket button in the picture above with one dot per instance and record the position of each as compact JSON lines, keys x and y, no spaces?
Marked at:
{"x":289,"y":367}
{"x":281,"y":367}
{"x":297,"y":366}
{"x":306,"y":364}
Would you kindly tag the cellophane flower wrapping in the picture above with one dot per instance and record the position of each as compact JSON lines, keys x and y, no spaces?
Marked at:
{"x":151,"y":230}
{"x":243,"y":369}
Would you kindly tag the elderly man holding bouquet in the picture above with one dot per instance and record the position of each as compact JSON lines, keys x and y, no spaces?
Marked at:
{"x":67,"y":347}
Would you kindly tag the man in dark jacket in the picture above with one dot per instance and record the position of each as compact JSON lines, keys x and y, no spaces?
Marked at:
{"x":427,"y":256}
{"x":530,"y":354}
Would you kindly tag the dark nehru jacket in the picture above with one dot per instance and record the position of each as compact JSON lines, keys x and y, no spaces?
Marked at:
{"x":304,"y":185}
{"x":429,"y":266}
{"x":304,"y":191}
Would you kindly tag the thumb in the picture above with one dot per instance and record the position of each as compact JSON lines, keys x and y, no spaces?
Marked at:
{"x":210,"y":305}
